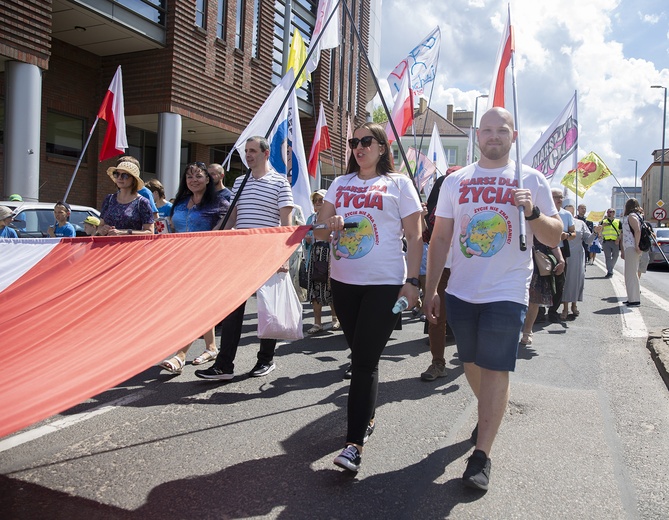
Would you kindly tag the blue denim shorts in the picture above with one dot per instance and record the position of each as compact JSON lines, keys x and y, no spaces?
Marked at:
{"x":486,"y":334}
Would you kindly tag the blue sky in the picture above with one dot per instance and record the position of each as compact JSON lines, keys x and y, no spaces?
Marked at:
{"x":610,"y":51}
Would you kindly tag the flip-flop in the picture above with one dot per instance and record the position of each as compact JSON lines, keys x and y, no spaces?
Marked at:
{"x":171,"y":366}
{"x":205,"y":357}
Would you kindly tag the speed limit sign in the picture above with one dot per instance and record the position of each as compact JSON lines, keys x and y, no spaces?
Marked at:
{"x":659,"y":213}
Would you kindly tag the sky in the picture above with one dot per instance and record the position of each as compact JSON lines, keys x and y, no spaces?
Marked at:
{"x":609,"y":51}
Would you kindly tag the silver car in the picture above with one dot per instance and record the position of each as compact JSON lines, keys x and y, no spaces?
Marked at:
{"x":656,"y":257}
{"x":34,"y":218}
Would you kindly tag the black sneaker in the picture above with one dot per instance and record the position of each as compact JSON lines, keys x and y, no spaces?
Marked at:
{"x":369,"y":431}
{"x":215,"y":374}
{"x":477,"y":474}
{"x":474,"y":437}
{"x":262,"y":369}
{"x":349,"y":458}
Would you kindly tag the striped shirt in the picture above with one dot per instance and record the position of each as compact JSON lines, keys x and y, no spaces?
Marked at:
{"x":261,"y":199}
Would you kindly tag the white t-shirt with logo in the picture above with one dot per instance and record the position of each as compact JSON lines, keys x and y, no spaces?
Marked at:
{"x":487,"y":263}
{"x":371,"y":254}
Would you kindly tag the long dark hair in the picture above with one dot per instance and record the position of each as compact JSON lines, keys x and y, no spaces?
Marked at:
{"x":631,"y":206}
{"x":209,"y":198}
{"x":386,"y":163}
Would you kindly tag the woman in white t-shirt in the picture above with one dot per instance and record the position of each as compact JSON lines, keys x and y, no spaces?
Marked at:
{"x":631,"y":228}
{"x":369,"y":271}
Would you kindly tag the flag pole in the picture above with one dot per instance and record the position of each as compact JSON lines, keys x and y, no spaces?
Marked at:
{"x":312,"y":47}
{"x":81,"y":156}
{"x":519,"y":166}
{"x":363,"y":52}
{"x":576,"y":151}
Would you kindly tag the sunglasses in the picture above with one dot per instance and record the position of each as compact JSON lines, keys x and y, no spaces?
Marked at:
{"x":123,"y":176}
{"x":366,"y":142}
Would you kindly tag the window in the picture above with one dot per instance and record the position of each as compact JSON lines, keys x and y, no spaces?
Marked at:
{"x":64,"y":135}
{"x":143,"y":145}
{"x":239,"y":24}
{"x":256,"y":22}
{"x":153,"y":10}
{"x":451,"y":155}
{"x":221,"y":26}
{"x":201,"y":13}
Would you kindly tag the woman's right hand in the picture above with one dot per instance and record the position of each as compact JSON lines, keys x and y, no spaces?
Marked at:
{"x":335,"y":223}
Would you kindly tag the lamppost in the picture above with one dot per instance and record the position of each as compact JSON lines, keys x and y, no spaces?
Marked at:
{"x":636,"y":163}
{"x":664,"y":128}
{"x":476,"y":124}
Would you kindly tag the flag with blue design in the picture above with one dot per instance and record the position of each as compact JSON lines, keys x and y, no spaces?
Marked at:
{"x":286,"y":133}
{"x":421,"y":64}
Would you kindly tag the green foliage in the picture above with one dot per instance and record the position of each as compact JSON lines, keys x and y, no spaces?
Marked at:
{"x":379,"y":115}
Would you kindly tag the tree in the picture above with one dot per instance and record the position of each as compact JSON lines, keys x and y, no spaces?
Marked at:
{"x":379,"y":115}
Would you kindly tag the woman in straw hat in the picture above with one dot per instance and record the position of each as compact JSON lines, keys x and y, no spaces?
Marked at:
{"x":125,"y":212}
{"x":6,"y":217}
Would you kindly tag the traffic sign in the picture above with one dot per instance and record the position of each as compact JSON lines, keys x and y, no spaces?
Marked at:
{"x":659,"y":213}
{"x":660,"y":203}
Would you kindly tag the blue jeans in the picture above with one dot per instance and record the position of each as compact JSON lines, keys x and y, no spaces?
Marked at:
{"x":486,"y":334}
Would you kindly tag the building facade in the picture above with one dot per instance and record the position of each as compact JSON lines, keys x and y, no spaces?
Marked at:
{"x":651,"y":198}
{"x":194,"y":75}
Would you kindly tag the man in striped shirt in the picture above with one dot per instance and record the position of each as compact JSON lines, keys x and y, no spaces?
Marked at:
{"x":265,"y":201}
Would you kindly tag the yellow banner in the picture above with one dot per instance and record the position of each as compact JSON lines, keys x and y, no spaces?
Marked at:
{"x":590,"y":169}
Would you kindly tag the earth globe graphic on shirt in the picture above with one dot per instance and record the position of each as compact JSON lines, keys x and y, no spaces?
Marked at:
{"x":355,"y":242}
{"x":484,"y":235}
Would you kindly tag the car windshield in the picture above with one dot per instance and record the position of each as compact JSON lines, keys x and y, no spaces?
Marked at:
{"x":35,"y":221}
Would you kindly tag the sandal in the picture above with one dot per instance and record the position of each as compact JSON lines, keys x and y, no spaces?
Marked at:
{"x":173,"y":365}
{"x":564,"y":315}
{"x":205,"y":357}
{"x":527,"y":338}
{"x":574,"y":310}
{"x":335,"y":325}
{"x":315,"y":329}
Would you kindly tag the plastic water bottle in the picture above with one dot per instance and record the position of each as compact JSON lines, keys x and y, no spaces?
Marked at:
{"x":401,"y":305}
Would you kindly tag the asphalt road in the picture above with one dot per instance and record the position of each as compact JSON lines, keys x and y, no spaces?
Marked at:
{"x":586,"y":434}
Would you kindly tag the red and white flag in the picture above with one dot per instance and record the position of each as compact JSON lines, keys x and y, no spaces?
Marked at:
{"x":69,"y":283}
{"x":329,"y":36}
{"x":402,"y":114}
{"x":506,"y":48}
{"x":111,"y":110}
{"x":320,"y":144}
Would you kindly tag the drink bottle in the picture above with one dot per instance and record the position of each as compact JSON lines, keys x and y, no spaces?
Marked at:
{"x":401,"y":305}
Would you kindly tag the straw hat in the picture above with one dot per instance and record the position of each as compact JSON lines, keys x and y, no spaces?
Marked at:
{"x":128,"y":167}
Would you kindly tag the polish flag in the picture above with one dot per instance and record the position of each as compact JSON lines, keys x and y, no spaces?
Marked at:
{"x":112,"y":111}
{"x":507,"y":46}
{"x":67,"y":284}
{"x":320,"y":144}
{"x":402,"y":114}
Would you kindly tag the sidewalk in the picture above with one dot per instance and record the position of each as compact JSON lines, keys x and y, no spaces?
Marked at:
{"x":658,"y":344}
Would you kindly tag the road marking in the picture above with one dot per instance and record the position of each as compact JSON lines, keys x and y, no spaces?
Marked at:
{"x":61,"y":424}
{"x":633,"y":324}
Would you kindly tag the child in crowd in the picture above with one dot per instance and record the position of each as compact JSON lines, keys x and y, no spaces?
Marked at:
{"x":62,"y":228}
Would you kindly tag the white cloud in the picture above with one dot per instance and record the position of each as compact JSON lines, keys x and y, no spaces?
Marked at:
{"x":560,"y":47}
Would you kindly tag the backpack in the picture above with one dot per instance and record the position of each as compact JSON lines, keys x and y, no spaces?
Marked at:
{"x":645,"y":240}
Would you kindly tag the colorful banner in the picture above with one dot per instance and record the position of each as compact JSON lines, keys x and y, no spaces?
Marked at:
{"x":590,"y":169}
{"x":421,"y":64}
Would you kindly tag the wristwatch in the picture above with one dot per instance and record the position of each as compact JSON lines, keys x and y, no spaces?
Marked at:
{"x":535,"y":213}
{"x":413,"y":281}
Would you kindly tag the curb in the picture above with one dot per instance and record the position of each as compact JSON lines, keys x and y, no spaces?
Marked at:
{"x":658,"y":344}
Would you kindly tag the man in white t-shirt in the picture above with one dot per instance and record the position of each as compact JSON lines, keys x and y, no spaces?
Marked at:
{"x":487,"y":293}
{"x":265,"y":201}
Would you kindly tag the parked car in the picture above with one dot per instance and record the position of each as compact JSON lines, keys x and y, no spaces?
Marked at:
{"x":34,"y":218}
{"x":656,"y":257}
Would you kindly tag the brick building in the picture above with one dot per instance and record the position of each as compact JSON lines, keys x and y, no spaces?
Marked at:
{"x":194,"y":74}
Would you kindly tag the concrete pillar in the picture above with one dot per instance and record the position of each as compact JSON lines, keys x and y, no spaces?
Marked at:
{"x":169,"y":152}
{"x":23,"y":119}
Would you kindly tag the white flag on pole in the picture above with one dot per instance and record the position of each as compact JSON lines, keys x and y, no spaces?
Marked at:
{"x":330,"y":37}
{"x":421,"y":64}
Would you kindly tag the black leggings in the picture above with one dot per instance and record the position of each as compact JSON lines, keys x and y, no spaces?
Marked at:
{"x":365,"y":313}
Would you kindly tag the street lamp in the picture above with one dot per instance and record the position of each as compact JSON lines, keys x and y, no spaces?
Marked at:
{"x":636,"y":163}
{"x":664,"y":129}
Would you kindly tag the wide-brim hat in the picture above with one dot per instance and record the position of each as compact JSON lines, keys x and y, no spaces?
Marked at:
{"x":318,"y":193}
{"x":5,"y":212}
{"x":129,"y":167}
